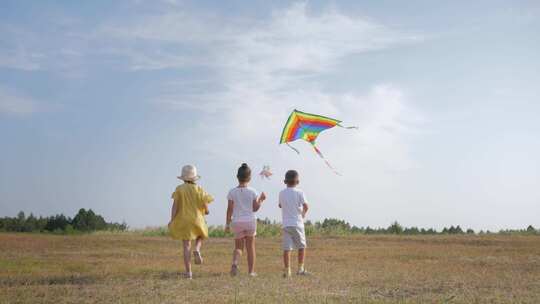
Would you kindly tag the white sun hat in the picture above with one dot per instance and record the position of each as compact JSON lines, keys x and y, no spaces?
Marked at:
{"x":189,"y":173}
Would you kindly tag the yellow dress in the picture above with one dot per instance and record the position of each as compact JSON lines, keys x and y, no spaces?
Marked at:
{"x":189,"y":223}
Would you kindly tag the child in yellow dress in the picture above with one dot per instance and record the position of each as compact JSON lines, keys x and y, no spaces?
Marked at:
{"x":187,"y":216}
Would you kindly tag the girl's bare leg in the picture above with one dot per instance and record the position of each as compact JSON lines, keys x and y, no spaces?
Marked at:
{"x":238,"y":248}
{"x":197,"y":251}
{"x":187,"y":255}
{"x":198,"y":244}
{"x":250,"y":246}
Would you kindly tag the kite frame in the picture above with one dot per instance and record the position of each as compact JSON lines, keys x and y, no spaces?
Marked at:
{"x":281,"y":141}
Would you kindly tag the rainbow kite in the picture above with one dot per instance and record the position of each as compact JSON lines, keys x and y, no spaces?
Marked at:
{"x":301,"y":125}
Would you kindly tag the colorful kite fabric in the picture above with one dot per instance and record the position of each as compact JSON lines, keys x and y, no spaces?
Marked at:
{"x":301,"y":125}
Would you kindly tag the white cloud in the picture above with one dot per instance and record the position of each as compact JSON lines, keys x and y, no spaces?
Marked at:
{"x":264,"y":70}
{"x":15,"y":103}
{"x":291,"y":40}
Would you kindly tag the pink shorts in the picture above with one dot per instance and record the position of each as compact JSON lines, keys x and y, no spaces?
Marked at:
{"x":243,"y":229}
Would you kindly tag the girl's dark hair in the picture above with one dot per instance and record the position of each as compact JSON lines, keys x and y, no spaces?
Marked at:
{"x":244,"y":173}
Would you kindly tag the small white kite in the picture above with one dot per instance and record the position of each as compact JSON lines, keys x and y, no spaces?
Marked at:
{"x":265,"y":173}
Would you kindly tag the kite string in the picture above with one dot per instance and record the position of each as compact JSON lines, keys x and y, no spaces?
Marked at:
{"x":325,"y":161}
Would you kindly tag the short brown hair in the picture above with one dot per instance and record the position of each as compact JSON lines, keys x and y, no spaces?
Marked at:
{"x":291,"y":177}
{"x":244,"y":173}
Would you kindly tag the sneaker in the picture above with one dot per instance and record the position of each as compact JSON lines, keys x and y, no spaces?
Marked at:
{"x":188,"y":275}
{"x":198,"y":257}
{"x":302,"y":272}
{"x":234,"y":270}
{"x":252,"y":274}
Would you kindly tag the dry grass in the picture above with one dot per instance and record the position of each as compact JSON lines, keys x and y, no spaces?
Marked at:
{"x":127,"y":268}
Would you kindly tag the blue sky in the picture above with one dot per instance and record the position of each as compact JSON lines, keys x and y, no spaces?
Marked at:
{"x":101,"y":103}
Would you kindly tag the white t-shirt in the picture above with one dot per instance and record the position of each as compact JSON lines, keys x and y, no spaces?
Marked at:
{"x":292,"y":200}
{"x":243,"y":198}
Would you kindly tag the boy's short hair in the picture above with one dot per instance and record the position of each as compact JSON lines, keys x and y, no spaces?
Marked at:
{"x":244,"y":173}
{"x":291,"y":177}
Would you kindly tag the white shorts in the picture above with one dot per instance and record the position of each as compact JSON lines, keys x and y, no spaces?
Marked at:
{"x":294,"y":238}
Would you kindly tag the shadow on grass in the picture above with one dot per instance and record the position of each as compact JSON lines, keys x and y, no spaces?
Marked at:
{"x":54,"y":280}
{"x":176,"y":275}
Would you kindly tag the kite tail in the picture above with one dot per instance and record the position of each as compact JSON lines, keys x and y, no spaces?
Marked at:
{"x":295,"y":150}
{"x":347,"y":127}
{"x":325,"y":161}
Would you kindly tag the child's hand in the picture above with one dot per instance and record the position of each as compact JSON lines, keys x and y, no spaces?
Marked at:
{"x":227,"y":228}
{"x":263,"y":197}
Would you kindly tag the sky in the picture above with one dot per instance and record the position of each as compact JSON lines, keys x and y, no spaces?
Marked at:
{"x":102,"y":102}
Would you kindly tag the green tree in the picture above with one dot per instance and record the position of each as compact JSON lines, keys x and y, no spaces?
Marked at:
{"x":57,"y":222}
{"x":30,"y":224}
{"x":395,"y":228}
{"x":88,"y":221}
{"x":80,"y":221}
{"x":19,"y":222}
{"x":335,"y":224}
{"x":411,"y":231}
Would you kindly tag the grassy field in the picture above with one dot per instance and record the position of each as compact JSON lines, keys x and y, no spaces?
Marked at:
{"x":129,"y":268}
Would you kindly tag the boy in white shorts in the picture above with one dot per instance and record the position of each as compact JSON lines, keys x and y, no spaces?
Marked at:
{"x":294,"y":207}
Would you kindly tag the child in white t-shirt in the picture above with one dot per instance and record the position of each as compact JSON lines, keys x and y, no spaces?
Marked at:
{"x":243,"y":202}
{"x":294,"y":207}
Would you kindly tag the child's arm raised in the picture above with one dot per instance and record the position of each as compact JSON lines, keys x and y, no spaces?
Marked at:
{"x":258,"y":202}
{"x":228,"y":218}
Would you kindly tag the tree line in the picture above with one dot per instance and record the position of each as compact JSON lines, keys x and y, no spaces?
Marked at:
{"x":336,"y":226}
{"x":83,"y":221}
{"x":88,"y":221}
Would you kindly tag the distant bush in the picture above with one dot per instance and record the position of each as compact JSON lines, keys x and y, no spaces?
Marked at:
{"x":84,"y":221}
{"x":157,"y":231}
{"x":336,"y":227}
{"x":264,"y":228}
{"x":530,"y":230}
{"x":88,"y":221}
{"x":218,"y":232}
{"x":268,"y":228}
